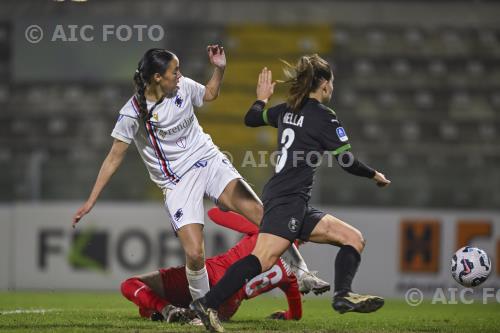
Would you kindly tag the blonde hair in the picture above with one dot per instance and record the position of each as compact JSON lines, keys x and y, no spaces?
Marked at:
{"x":305,"y":77}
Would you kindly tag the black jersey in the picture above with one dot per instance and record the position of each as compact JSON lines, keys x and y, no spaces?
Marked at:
{"x":303,"y":137}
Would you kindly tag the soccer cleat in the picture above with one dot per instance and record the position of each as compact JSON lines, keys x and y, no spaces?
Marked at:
{"x":196,"y":322}
{"x":351,"y":302}
{"x":208,"y":316}
{"x":173,"y":314}
{"x":156,"y":316}
{"x":310,"y":282}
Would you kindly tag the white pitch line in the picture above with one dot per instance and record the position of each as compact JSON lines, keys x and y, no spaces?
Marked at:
{"x":23,"y":311}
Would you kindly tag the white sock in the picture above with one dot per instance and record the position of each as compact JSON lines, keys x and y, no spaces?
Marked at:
{"x":198,"y":282}
{"x":294,"y":259}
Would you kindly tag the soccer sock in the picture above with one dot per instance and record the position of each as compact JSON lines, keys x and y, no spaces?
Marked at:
{"x":346,"y":266}
{"x":139,"y":293}
{"x":235,"y":277}
{"x":294,"y":259}
{"x":198,"y":282}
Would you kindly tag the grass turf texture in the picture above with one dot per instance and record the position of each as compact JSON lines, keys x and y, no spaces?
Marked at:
{"x":109,"y":312}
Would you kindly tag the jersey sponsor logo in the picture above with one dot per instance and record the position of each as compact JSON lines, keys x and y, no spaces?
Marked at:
{"x":341,"y":134}
{"x":178,"y":214}
{"x":178,"y":101}
{"x":293,"y":224}
{"x":181,"y":142}
{"x":293,"y":119}
{"x":268,"y":279}
{"x":170,"y":131}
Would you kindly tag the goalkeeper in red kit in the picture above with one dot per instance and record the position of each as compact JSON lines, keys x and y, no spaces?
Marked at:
{"x":164,"y":294}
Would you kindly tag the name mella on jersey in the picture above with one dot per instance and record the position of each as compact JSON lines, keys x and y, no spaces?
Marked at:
{"x":291,"y":118}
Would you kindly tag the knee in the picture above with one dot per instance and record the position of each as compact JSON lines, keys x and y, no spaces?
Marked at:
{"x":127,"y":286}
{"x":356,"y":240}
{"x":267,"y":261}
{"x":195,"y":257}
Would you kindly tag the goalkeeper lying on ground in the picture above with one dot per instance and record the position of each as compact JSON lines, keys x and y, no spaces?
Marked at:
{"x":164,"y":294}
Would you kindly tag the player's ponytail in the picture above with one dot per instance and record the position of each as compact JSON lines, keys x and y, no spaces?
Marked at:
{"x":304,"y":78}
{"x":153,"y":61}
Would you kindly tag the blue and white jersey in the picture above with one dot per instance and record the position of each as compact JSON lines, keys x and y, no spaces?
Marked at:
{"x":172,"y":140}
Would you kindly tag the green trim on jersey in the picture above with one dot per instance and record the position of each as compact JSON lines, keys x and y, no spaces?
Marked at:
{"x":341,"y":149}
{"x":331,"y":110}
{"x":264,"y":116}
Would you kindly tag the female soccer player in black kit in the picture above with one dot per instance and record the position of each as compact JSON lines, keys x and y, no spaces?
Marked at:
{"x":306,"y":129}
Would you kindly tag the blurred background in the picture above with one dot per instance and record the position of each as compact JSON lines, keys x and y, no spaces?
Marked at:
{"x":417,"y":87}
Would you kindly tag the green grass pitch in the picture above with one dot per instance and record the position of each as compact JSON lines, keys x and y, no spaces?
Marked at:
{"x":109,"y":312}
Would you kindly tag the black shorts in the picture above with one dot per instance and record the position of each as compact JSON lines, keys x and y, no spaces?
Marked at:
{"x":290,"y":217}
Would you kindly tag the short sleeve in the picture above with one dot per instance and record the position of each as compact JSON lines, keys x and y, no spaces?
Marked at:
{"x":195,"y":90}
{"x":271,"y":115}
{"x":126,"y":128}
{"x":332,"y":135}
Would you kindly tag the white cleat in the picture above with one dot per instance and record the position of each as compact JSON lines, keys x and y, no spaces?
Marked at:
{"x":310,"y":282}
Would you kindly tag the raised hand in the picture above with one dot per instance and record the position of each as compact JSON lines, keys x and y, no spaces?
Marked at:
{"x":217,"y":56}
{"x":265,"y":85}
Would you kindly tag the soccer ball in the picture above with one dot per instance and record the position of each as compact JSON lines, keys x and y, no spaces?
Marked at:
{"x":470,"y":266}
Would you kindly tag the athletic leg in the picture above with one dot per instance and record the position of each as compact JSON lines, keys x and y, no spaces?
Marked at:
{"x":332,"y":230}
{"x":267,"y":250}
{"x":191,"y":237}
{"x":239,"y":197}
{"x":142,"y":294}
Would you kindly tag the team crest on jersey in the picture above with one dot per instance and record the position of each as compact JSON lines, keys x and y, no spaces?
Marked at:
{"x":341,"y":134}
{"x":181,"y":142}
{"x":155,"y":116}
{"x":178,"y":214}
{"x":293,"y":224}
{"x":178,"y":101}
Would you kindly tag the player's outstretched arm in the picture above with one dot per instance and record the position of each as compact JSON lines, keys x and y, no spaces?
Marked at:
{"x":294,"y":312}
{"x":218,"y":59}
{"x":232,"y":221}
{"x":351,"y":164}
{"x":108,"y":168}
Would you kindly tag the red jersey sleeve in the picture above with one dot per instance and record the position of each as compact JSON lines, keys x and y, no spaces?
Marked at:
{"x":291,"y":290}
{"x":232,"y":221}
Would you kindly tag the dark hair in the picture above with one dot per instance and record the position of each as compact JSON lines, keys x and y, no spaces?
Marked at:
{"x":153,"y":61}
{"x":305,"y":77}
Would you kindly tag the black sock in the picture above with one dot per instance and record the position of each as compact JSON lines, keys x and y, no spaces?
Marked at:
{"x":346,"y":266}
{"x":235,"y":277}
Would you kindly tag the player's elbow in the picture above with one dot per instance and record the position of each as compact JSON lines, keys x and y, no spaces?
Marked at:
{"x":210,"y":94}
{"x":250,"y":121}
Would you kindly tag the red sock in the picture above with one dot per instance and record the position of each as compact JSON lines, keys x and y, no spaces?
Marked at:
{"x":145,"y":313}
{"x":138,"y":292}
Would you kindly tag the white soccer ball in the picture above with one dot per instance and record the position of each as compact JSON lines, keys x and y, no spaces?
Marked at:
{"x":470,"y":266}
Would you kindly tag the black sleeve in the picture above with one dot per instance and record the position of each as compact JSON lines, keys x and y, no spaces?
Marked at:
{"x":257,"y":115}
{"x":333,"y":138}
{"x":351,"y":164}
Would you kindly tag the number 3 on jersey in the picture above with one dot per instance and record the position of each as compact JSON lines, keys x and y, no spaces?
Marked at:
{"x":287,"y":138}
